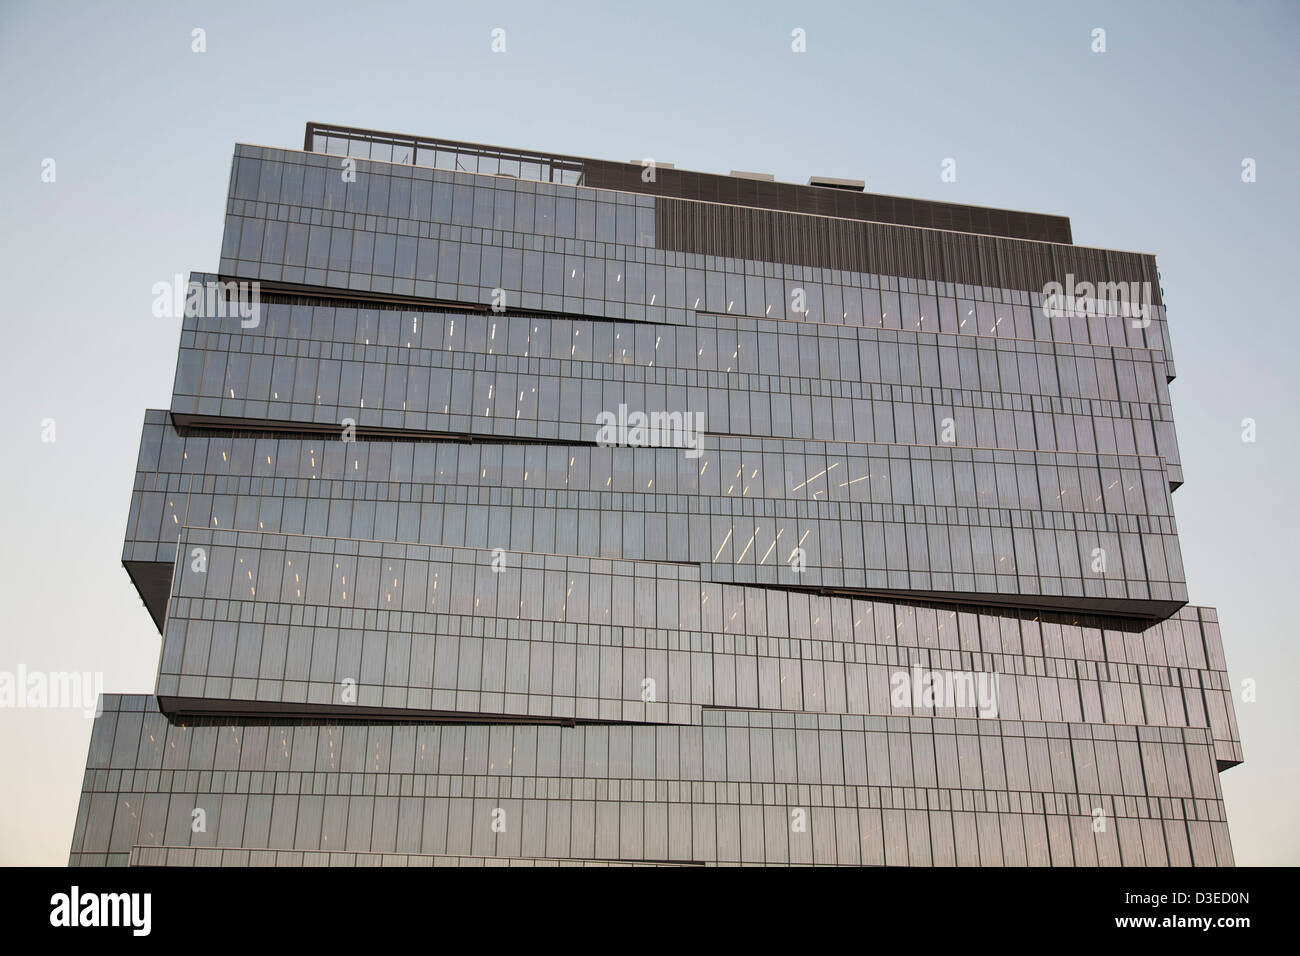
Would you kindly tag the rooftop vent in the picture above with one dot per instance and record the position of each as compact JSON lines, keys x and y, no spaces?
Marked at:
{"x":761,"y":177}
{"x":830,"y":182}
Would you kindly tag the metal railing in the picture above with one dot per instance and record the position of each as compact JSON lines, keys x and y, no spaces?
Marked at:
{"x":442,"y":154}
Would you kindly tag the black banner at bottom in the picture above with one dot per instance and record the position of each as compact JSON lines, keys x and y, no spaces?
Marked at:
{"x":340,"y":906}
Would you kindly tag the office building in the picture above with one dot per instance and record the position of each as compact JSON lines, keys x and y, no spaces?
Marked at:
{"x":516,"y":508}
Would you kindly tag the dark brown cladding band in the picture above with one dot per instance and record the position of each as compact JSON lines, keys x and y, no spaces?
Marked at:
{"x":760,"y":234}
{"x":823,"y":201}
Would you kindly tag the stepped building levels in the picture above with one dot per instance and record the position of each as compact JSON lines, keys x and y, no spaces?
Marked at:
{"x":525,"y":509}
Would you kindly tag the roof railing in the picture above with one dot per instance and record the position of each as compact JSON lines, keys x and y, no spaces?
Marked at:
{"x":442,"y":154}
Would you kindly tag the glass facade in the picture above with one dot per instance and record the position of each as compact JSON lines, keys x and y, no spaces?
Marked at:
{"x":734,"y":788}
{"x":984,"y":525}
{"x":912,"y":595}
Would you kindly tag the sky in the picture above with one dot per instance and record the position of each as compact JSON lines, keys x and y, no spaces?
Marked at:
{"x":1141,"y":145}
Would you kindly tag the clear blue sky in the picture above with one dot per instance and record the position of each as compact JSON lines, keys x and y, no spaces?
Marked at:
{"x":1141,"y":146}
